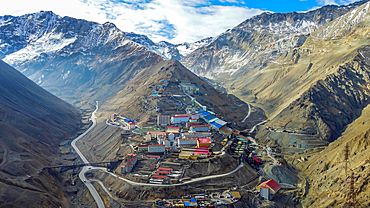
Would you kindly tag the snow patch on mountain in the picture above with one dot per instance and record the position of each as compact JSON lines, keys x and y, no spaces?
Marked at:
{"x":168,"y":50}
{"x":47,"y":44}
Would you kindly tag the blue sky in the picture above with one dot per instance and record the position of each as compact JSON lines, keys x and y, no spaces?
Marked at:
{"x":175,"y":21}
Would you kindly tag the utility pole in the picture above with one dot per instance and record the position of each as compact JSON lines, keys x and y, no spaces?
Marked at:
{"x":346,"y":159}
{"x":351,"y":195}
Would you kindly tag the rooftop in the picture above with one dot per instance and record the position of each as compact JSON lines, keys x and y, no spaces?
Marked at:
{"x":172,"y":127}
{"x":272,"y":184}
{"x":154,"y":156}
{"x":165,"y":169}
{"x":162,"y":172}
{"x":156,"y":145}
{"x":204,"y":140}
{"x":159,"y":176}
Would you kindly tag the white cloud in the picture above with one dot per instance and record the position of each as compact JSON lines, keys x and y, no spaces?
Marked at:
{"x":175,"y":21}
{"x":326,"y":2}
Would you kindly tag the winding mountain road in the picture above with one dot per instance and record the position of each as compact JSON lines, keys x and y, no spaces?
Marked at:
{"x":81,"y":175}
{"x":249,"y":113}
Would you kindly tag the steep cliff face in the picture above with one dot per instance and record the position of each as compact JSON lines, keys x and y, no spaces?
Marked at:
{"x":72,"y":58}
{"x":257,"y":41}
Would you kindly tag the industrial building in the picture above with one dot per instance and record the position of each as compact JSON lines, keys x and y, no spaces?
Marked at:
{"x":204,"y":142}
{"x":159,"y":148}
{"x":196,"y":135}
{"x":163,"y":120}
{"x":200,"y":128}
{"x":187,"y":142}
{"x":189,"y":88}
{"x":211,"y":119}
{"x":268,"y":188}
{"x":178,"y":119}
{"x":218,"y":124}
{"x":190,"y":124}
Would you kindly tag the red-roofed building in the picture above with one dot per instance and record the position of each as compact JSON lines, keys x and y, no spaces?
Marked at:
{"x":271,"y":184}
{"x":153,"y":157}
{"x":173,"y":127}
{"x":159,"y":176}
{"x":162,"y":172}
{"x":204,"y":142}
{"x":165,"y":169}
{"x":173,"y":130}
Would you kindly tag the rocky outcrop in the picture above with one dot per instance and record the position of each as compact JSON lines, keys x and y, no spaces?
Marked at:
{"x":331,"y":104}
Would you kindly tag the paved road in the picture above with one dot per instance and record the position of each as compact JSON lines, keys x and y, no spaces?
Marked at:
{"x":254,"y":127}
{"x":249,"y":113}
{"x":91,"y":188}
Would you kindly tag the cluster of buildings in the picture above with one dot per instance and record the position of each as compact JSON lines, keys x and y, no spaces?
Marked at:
{"x":130,"y":163}
{"x":118,"y":120}
{"x":161,"y":175}
{"x":202,"y":200}
{"x":211,"y":119}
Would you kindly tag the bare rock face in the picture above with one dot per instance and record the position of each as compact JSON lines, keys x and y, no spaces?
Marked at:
{"x":257,"y":41}
{"x":331,"y":104}
{"x":329,"y":185}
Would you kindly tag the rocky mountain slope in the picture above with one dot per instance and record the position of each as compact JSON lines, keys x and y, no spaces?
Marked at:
{"x":78,"y":59}
{"x":32,"y":124}
{"x":257,"y":41}
{"x":295,"y":86}
{"x":72,"y":58}
{"x":329,"y":185}
{"x":328,"y":87}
